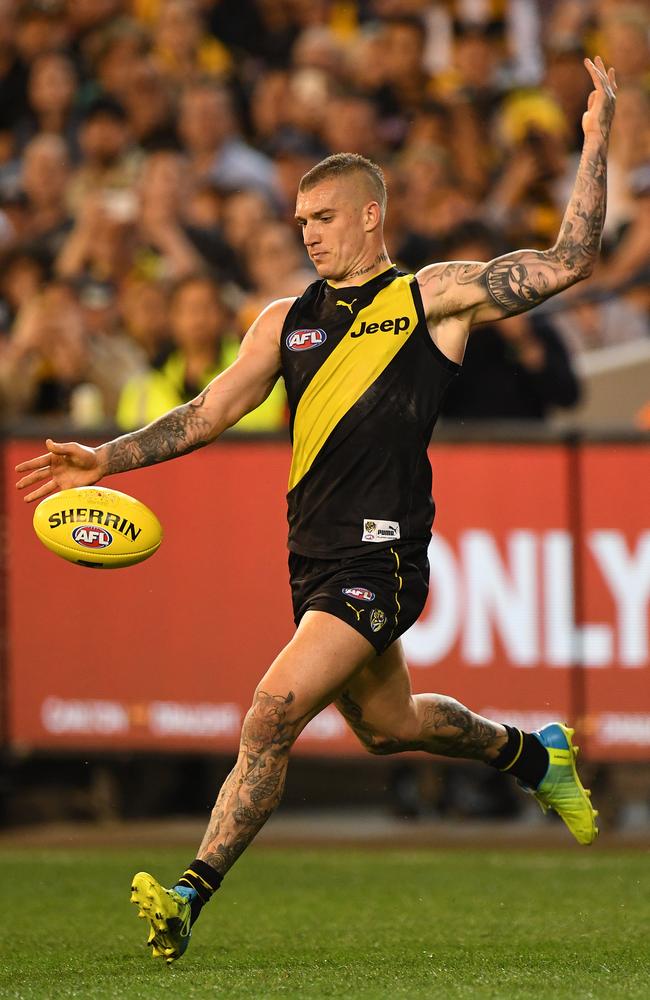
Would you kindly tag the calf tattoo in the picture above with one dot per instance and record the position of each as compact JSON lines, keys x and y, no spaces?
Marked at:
{"x":443,"y":726}
{"x":452,"y":730}
{"x":254,"y":787}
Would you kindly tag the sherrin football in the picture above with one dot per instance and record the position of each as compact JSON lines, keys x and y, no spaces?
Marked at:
{"x":97,"y":527}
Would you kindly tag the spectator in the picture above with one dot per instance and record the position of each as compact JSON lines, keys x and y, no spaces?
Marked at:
{"x":403,"y":41}
{"x":189,"y":123}
{"x":294,"y":154}
{"x":268,"y":106}
{"x":182,"y":49}
{"x":51,"y":91}
{"x":45,"y":176}
{"x":208,"y":130}
{"x":516,"y":369}
{"x":22,"y":275}
{"x":276,"y":267}
{"x":101,"y":244}
{"x":50,"y":356}
{"x":147,"y":99}
{"x":319,"y":47}
{"x":13,"y":72}
{"x":173,"y":244}
{"x":114,"y":54}
{"x":310,"y":91}
{"x":243,"y":212}
{"x":527,"y":196}
{"x":108,"y":163}
{"x":203,"y":346}
{"x":144,"y":313}
{"x":39,"y":28}
{"x":432,"y":202}
{"x":350,"y":123}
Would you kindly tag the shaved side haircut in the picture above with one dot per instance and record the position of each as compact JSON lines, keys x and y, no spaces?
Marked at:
{"x":346,"y":164}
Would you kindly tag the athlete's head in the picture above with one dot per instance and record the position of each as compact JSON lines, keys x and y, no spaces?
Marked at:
{"x":340,"y":207}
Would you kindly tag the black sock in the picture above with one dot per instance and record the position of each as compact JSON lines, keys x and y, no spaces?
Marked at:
{"x":205,"y":881}
{"x":523,"y":756}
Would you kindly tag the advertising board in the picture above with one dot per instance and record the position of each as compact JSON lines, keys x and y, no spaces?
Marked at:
{"x":538,"y":610}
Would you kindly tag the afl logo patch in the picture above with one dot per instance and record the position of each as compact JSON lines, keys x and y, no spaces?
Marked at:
{"x":304,"y":340}
{"x":92,"y":537}
{"x":360,"y":593}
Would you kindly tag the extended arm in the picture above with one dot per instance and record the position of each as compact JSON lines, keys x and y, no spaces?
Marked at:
{"x":237,"y":391}
{"x":461,"y":293}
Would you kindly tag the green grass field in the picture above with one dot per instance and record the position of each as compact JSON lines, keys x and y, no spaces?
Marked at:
{"x":336,"y":923}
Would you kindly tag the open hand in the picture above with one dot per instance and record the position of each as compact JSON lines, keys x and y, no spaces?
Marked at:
{"x":602,"y":100}
{"x":63,"y":467}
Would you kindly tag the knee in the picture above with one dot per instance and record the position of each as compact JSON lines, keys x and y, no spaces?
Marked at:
{"x":382,"y":746}
{"x":397,"y":739}
{"x":270,"y":723}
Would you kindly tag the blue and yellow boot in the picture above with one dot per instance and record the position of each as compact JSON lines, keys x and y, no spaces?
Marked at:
{"x":561,"y":789}
{"x":168,"y":913}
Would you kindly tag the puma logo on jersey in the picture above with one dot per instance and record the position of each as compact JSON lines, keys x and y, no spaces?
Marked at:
{"x":398,"y":325}
{"x":358,"y":611}
{"x":348,"y":305}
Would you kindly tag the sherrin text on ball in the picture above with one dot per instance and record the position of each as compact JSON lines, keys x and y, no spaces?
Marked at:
{"x":97,"y":527}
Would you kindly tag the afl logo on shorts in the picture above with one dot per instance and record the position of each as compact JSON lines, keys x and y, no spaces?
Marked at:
{"x":360,"y":593}
{"x":92,"y":537}
{"x":304,"y":340}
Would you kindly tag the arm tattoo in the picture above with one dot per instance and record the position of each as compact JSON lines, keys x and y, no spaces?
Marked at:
{"x":176,"y":433}
{"x":521,"y":280}
{"x":254,"y":787}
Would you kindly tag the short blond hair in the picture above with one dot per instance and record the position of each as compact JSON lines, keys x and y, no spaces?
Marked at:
{"x":344,"y":164}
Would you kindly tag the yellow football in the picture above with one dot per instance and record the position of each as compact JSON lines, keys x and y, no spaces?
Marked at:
{"x":97,"y":527}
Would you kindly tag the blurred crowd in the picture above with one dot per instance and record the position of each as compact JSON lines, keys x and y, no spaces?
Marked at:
{"x":150,"y":152}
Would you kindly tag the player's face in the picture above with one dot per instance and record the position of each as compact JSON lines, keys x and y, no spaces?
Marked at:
{"x":333,"y":217}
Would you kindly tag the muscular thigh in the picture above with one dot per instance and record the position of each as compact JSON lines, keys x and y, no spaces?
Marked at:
{"x":377,"y":701}
{"x":323,"y":657}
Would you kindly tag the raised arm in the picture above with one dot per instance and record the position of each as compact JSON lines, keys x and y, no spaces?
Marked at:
{"x":237,"y":391}
{"x":460,"y":293}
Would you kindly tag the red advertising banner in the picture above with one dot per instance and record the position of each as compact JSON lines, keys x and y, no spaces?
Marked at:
{"x":615,"y":504}
{"x":522,"y":623}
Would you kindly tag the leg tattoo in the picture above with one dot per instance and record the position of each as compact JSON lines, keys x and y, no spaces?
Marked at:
{"x":453,"y":731}
{"x":372,"y":740}
{"x":442,"y":726}
{"x":254,"y":787}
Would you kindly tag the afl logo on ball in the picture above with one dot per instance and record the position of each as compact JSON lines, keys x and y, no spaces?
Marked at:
{"x":304,"y":340}
{"x":92,"y":537}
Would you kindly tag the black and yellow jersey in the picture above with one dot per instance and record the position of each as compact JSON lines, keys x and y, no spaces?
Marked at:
{"x":364,"y":382}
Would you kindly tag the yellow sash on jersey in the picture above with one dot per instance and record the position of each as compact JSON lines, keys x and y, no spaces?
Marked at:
{"x":351,"y":368}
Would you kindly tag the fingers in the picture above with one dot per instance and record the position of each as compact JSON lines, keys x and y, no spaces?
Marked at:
{"x":45,"y":460}
{"x":60,"y":449}
{"x":33,"y":477}
{"x":594,"y":73}
{"x":42,"y":491}
{"x":34,"y":463}
{"x":600,"y":75}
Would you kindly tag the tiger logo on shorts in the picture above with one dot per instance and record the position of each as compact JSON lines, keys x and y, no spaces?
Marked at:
{"x":377,"y":619}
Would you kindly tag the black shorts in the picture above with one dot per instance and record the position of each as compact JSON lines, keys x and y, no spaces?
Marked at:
{"x":380,"y":593}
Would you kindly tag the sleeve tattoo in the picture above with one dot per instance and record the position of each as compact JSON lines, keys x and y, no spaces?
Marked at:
{"x":523,"y":279}
{"x":176,"y":433}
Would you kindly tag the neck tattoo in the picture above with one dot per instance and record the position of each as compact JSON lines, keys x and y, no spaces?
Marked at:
{"x":381,"y":258}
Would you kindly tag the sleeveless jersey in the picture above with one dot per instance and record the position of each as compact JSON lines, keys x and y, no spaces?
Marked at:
{"x":364,"y":383}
